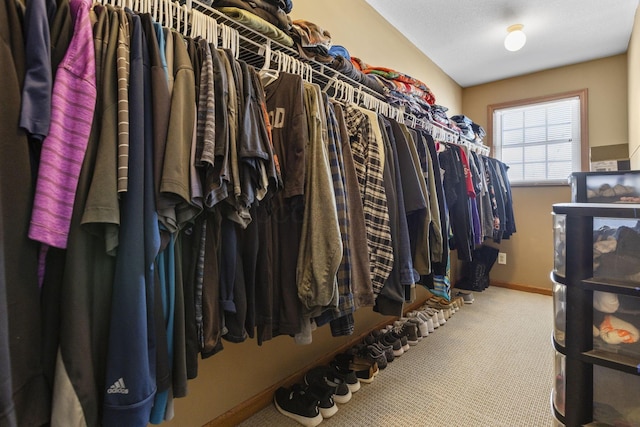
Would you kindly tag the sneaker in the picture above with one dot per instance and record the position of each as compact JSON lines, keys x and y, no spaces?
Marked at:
{"x":364,"y":369}
{"x":430,"y":313}
{"x":428,"y":320}
{"x":373,"y":337}
{"x":408,"y":330}
{"x":348,"y":375}
{"x":371,"y":353}
{"x":460,"y":300}
{"x":418,"y":323}
{"x":402,"y":337}
{"x":393,"y":341}
{"x":378,"y":355}
{"x":326,"y":405}
{"x":466,"y":296}
{"x":441,"y":316}
{"x":387,"y":350}
{"x":326,"y":375}
{"x":297,"y":404}
{"x":439,"y":303}
{"x":423,"y":327}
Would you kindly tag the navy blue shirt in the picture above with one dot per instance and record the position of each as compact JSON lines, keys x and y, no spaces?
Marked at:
{"x":130,"y":379}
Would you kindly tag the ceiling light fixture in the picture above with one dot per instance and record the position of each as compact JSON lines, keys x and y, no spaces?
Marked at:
{"x":515,"y":39}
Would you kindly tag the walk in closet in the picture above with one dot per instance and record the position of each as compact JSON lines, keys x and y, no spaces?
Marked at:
{"x":204,"y":185}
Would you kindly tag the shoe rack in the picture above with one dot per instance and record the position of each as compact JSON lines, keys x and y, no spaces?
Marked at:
{"x":597,"y":353}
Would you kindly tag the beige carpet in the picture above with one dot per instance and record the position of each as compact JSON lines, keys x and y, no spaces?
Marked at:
{"x":490,"y":365}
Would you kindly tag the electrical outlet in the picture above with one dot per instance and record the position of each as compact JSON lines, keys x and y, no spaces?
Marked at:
{"x":502,"y":258}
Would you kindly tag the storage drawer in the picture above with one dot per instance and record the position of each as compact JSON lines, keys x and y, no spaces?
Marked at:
{"x":559,"y":386}
{"x":616,"y":324}
{"x":616,"y":249}
{"x":560,"y":312}
{"x":616,"y":397}
{"x":605,"y":187}
{"x":559,"y":244}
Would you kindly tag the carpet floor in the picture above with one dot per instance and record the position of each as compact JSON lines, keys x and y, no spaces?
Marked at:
{"x":490,"y":365}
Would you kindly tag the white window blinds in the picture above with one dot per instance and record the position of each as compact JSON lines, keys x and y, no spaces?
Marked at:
{"x":539,"y":142}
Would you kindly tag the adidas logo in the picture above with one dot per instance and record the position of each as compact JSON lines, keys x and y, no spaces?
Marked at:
{"x":118,"y":387}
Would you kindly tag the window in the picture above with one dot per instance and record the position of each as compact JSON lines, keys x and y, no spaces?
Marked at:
{"x":542,"y":140}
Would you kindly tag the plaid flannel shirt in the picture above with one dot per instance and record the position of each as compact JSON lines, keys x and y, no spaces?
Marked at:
{"x":369,"y":168}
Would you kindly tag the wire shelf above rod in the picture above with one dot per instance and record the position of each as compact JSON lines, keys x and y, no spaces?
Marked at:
{"x":253,"y":45}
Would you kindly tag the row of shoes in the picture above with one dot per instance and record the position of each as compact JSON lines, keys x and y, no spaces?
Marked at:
{"x":324,"y":386}
{"x":316,"y":398}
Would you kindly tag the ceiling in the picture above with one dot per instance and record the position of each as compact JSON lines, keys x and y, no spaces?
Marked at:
{"x":465,"y":37}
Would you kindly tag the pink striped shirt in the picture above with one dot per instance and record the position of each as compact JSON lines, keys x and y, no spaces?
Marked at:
{"x":63,"y":150}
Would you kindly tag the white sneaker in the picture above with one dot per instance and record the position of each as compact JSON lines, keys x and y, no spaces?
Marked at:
{"x":422,"y":325}
{"x":433,"y":314}
{"x":427,"y":319}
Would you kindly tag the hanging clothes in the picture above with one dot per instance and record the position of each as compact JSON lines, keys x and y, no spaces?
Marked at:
{"x":393,"y":294}
{"x":369,"y":170}
{"x":287,"y":114}
{"x":24,"y":395}
{"x":321,"y":249}
{"x":210,"y":203}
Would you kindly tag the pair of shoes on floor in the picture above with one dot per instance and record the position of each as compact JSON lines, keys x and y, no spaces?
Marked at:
{"x":422,"y":325}
{"x":302,"y":404}
{"x":351,"y":365}
{"x":437,"y":314}
{"x":315,"y":400}
{"x":388,"y":339}
{"x":444,"y":303}
{"x":409,"y":328}
{"x":466,"y":296}
{"x":427,"y":321}
{"x":441,"y":304}
{"x":373,"y":352}
{"x":396,"y":340}
{"x":374,"y":341}
{"x":342,"y":384}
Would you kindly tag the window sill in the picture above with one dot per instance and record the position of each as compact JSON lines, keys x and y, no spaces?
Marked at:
{"x":554,"y":183}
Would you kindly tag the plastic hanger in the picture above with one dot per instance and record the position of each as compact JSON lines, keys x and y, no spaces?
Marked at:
{"x":235,"y":43}
{"x":267,"y":74}
{"x":154,"y":10}
{"x":186,"y":16}
{"x":178,"y":17}
{"x":168,"y":14}
{"x":309,"y":72}
{"x":194,"y":23}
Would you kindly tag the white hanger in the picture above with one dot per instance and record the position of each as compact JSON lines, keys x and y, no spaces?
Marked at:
{"x":236,"y":39}
{"x":210,"y":33}
{"x":154,"y":10}
{"x":186,"y":18}
{"x":330,"y":84}
{"x":195,"y":18}
{"x":178,"y":15}
{"x":337,"y":92}
{"x":310,"y":72}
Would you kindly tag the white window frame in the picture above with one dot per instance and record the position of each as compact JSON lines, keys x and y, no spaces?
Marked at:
{"x":580,"y":155}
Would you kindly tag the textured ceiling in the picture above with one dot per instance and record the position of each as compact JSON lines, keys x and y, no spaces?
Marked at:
{"x":465,"y":37}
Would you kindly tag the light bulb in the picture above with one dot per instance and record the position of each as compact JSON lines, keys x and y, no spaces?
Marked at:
{"x":515,"y":39}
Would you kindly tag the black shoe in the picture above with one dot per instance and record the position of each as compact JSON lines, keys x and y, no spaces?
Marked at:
{"x":347,"y":374}
{"x":298,"y":404}
{"x":324,"y":394}
{"x":390,"y":339}
{"x":327,"y":376}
